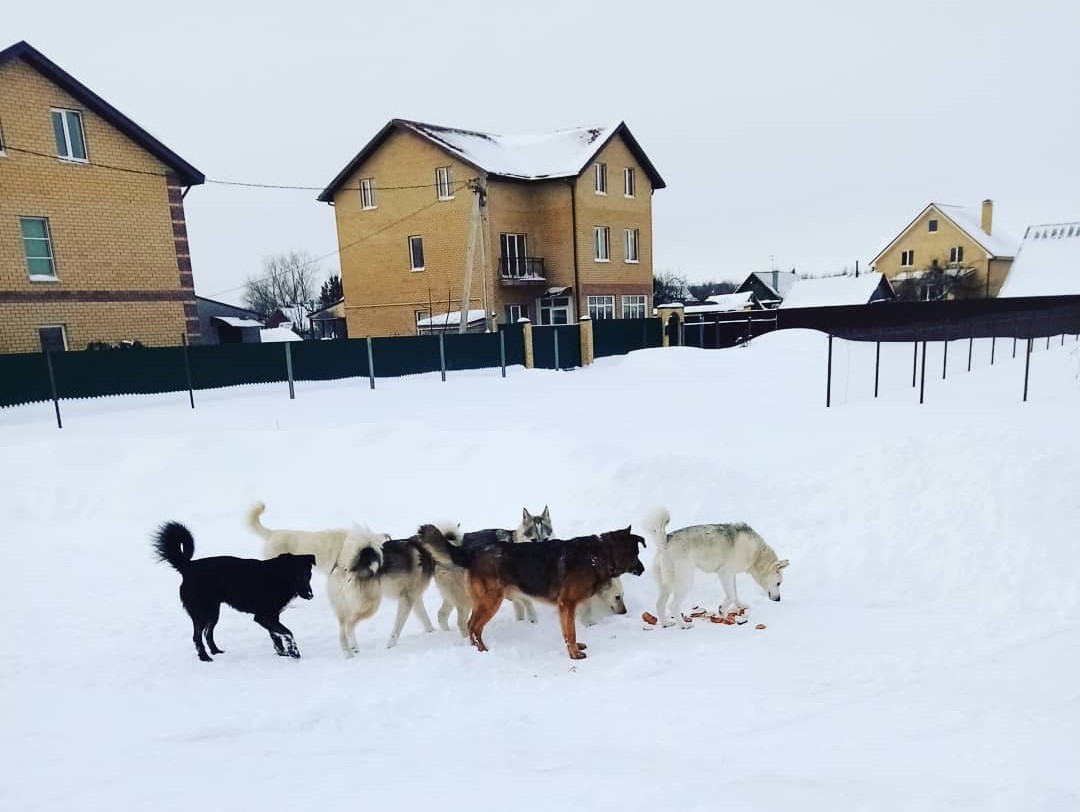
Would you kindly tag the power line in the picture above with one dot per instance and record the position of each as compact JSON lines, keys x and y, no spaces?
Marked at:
{"x":219,"y":182}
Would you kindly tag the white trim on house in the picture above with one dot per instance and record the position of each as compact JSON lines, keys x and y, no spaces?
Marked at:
{"x":70,"y":156}
{"x":367,"y":194}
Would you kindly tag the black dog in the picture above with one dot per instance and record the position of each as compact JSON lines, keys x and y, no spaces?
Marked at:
{"x":259,"y":588}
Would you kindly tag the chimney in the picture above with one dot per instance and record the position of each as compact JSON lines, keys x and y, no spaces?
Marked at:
{"x":987,"y":215}
{"x":776,"y":280}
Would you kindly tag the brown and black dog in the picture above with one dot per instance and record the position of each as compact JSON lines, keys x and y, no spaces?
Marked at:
{"x":564,"y":572}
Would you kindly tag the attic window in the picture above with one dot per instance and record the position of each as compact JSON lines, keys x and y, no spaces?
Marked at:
{"x":907,"y":259}
{"x":931,"y":225}
{"x":2,"y":153}
{"x":629,"y":182}
{"x":68,"y":129}
{"x":956,"y":254}
{"x":367,"y":193}
{"x":443,"y":183}
{"x":600,"y":184}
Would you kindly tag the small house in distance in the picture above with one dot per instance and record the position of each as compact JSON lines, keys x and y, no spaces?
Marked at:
{"x":835,"y":291}
{"x":769,"y":288}
{"x":223,"y":323}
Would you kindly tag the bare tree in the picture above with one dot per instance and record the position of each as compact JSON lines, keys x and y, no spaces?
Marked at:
{"x":703,"y":290}
{"x":937,"y":283}
{"x":286,"y":279}
{"x":668,"y":287}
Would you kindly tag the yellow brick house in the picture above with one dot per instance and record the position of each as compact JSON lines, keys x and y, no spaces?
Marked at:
{"x":565,"y":226}
{"x":93,"y":238}
{"x":949,"y":251}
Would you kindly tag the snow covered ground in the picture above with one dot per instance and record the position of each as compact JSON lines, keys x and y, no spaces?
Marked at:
{"x":925,"y":654}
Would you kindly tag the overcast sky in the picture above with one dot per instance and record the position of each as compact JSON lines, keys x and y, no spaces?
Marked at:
{"x":805,"y":134}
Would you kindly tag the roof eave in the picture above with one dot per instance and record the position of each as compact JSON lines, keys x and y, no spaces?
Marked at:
{"x":635,"y":149}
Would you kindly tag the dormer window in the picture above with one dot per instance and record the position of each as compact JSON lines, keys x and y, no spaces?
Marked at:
{"x":70,"y":141}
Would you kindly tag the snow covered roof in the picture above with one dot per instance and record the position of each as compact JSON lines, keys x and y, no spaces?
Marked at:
{"x":1047,"y":264}
{"x":234,"y":321}
{"x":969,"y":220}
{"x":541,"y":156}
{"x":784,"y":281}
{"x":833,"y":290}
{"x":451,"y":318}
{"x":269,"y":335}
{"x":724,"y":302}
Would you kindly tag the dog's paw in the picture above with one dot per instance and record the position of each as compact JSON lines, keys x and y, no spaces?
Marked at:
{"x":578,"y":655}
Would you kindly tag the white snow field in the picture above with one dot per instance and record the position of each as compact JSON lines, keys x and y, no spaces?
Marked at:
{"x":925,"y":656}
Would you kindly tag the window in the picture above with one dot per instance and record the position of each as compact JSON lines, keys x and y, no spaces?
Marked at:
{"x":601,"y":179}
{"x":516,"y":312}
{"x":632,"y":236}
{"x":629,"y":183}
{"x":956,"y":254}
{"x":68,"y":129}
{"x":38,"y":247}
{"x":555,"y":310}
{"x":633,"y":307}
{"x":416,"y":253}
{"x":514,"y":256}
{"x":601,"y":307}
{"x":367,"y":193}
{"x":53,"y":338}
{"x":602,"y":237}
{"x":932,"y":225}
{"x":419,"y":315}
{"x":2,"y":153}
{"x":443,"y":185}
{"x":907,"y":258}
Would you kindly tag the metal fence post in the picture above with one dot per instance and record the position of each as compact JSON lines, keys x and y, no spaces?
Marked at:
{"x":502,"y":351}
{"x":914,"y":362}
{"x":750,"y":331}
{"x":828,"y":377}
{"x":971,"y":346}
{"x":993,"y":346}
{"x":922,"y":374}
{"x":877,"y":365}
{"x":1014,"y":346}
{"x":555,"y":337}
{"x":1027,"y":366}
{"x":945,"y":360}
{"x":370,"y":363}
{"x":52,"y":387}
{"x":442,"y":355}
{"x":288,"y":369}
{"x":1048,"y":342}
{"x":187,"y":370}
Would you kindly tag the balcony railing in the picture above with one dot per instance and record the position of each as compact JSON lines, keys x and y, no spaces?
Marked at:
{"x":522,"y":270}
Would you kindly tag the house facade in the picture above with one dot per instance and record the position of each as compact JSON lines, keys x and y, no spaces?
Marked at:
{"x":563,"y":226}
{"x":93,"y":237}
{"x":949,"y":251}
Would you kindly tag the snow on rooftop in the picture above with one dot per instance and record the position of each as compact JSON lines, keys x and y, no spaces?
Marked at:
{"x":558,"y":154}
{"x":969,"y":219}
{"x":832,"y":290}
{"x":269,"y":335}
{"x":723,"y":302}
{"x":784,"y":281}
{"x":446,"y":319}
{"x":235,"y":321}
{"x":1047,"y":264}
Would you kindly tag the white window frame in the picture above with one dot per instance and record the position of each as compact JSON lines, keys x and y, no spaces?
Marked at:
{"x":63,"y":333}
{"x":418,"y":315}
{"x":629,"y":182}
{"x":956,"y":255}
{"x":38,"y":277}
{"x":412,"y":254}
{"x":64,"y":113}
{"x":601,"y":307}
{"x":547,"y":307}
{"x":634,"y":302}
{"x":601,"y":244}
{"x":907,"y":258}
{"x":367,"y":194}
{"x":633,"y":241}
{"x":444,"y":184}
{"x":522,"y":313}
{"x":600,"y":178}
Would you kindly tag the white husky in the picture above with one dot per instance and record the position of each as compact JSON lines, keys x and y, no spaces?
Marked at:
{"x":325,"y":545}
{"x":607,"y":600}
{"x":726,"y":549}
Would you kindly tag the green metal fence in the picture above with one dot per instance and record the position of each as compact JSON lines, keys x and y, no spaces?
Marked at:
{"x":620,"y":336}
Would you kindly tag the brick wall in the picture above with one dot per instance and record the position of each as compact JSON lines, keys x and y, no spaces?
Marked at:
{"x":119,"y":239}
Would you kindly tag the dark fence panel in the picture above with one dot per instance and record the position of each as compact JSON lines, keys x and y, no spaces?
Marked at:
{"x":1032,"y":317}
{"x":569,"y":338}
{"x":143,"y":371}
{"x":515,"y":343}
{"x":24,"y":378}
{"x":405,"y":355}
{"x":232,"y":364}
{"x":329,"y":360}
{"x":620,"y":336}
{"x":718,"y":330}
{"x":472,"y":350}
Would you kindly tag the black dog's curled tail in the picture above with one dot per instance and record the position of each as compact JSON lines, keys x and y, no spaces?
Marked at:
{"x":444,"y":544}
{"x":173,"y":543}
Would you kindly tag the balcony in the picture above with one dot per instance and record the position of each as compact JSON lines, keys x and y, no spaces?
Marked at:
{"x":522,"y":271}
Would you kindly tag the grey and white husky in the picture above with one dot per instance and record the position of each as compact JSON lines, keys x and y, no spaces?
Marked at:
{"x":451,"y":580}
{"x":724,"y":549}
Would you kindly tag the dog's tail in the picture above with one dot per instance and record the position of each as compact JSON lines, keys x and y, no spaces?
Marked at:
{"x":443,"y":541}
{"x":361,"y":552}
{"x":655,"y":526}
{"x":254,"y":521}
{"x":173,"y":543}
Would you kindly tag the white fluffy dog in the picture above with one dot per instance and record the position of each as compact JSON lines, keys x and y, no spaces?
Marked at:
{"x":355,"y":594}
{"x":725,"y":549}
{"x":325,"y":545}
{"x":608,"y":599}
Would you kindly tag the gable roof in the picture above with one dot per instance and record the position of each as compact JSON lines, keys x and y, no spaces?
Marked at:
{"x":1047,"y":264}
{"x":543,"y":156}
{"x":835,"y":290}
{"x":784,"y":281}
{"x":188,"y":174}
{"x":968,"y":220}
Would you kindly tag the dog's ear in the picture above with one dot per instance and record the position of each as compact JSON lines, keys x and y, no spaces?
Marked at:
{"x":781,"y":564}
{"x":525,"y":517}
{"x":546,"y":515}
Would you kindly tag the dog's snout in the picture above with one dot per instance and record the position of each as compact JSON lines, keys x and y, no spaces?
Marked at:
{"x":639,"y":568}
{"x":777,"y":598}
